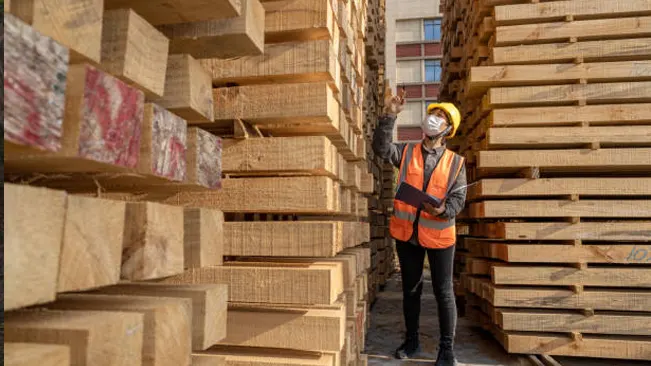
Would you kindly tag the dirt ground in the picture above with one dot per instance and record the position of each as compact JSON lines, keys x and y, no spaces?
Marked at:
{"x":473,"y":345}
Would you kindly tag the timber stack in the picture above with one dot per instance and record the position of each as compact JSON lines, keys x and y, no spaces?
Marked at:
{"x":556,"y":104}
{"x":192,"y":181}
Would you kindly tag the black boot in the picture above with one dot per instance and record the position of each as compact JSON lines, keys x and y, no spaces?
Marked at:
{"x":409,"y":348}
{"x":445,"y":356}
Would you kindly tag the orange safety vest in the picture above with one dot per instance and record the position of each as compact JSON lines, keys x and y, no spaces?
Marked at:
{"x":433,"y":232}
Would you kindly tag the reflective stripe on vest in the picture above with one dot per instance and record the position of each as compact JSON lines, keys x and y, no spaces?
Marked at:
{"x":433,"y":232}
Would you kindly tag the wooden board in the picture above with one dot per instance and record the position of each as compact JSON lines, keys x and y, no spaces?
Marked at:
{"x":187,"y":89}
{"x":632,"y":27}
{"x":287,"y":239}
{"x":290,"y":155}
{"x":563,"y":322}
{"x":562,"y":208}
{"x":163,"y":144}
{"x":235,"y":356}
{"x":319,"y":283}
{"x":167,"y":323}
{"x":153,"y":241}
{"x":614,"y":276}
{"x":141,"y":67}
{"x":290,"y":62}
{"x":223,"y":38}
{"x":76,"y":24}
{"x":612,"y":231}
{"x":95,"y":338}
{"x":305,"y":103}
{"x":208,"y":306}
{"x":178,"y":11}
{"x":578,"y":9}
{"x":589,"y":51}
{"x":298,"y":20}
{"x":91,"y":253}
{"x":520,"y":187}
{"x":204,"y":159}
{"x":28,"y":354}
{"x":300,"y":328}
{"x":629,"y":92}
{"x":267,"y":195}
{"x":613,"y":114}
{"x":203,"y":237}
{"x":34,"y":85}
{"x":33,"y":233}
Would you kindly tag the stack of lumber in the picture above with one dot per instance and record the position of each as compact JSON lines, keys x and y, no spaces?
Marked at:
{"x":556,"y":104}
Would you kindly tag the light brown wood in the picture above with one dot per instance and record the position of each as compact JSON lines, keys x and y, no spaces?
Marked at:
{"x":153,"y":241}
{"x":33,"y":233}
{"x":615,"y":276}
{"x":203,"y":237}
{"x":124,"y":36}
{"x":179,"y":11}
{"x":187,"y":90}
{"x":29,"y":354}
{"x":560,"y":137}
{"x":299,"y":20}
{"x":208,"y":306}
{"x":91,"y":253}
{"x":630,"y":231}
{"x":95,"y":338}
{"x":223,"y":38}
{"x":234,"y":356}
{"x":555,"y":187}
{"x":562,"y":208}
{"x":77,"y":24}
{"x":163,"y":144}
{"x":204,"y":359}
{"x":614,"y":114}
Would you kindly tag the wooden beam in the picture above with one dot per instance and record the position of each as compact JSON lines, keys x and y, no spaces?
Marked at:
{"x":76,"y":24}
{"x":627,"y":231}
{"x":566,"y":276}
{"x":620,"y":114}
{"x":91,"y":252}
{"x":203,"y":237}
{"x":222,"y":38}
{"x":556,"y":187}
{"x":319,"y":283}
{"x":562,"y":208}
{"x":163,"y":144}
{"x":27,"y":354}
{"x":99,"y":338}
{"x":630,"y":92}
{"x":562,"y":322}
{"x":34,"y":89}
{"x":291,"y":155}
{"x":286,"y":239}
{"x":153,"y":241}
{"x":311,"y":103}
{"x":267,"y":195}
{"x":292,"y":62}
{"x":178,"y":11}
{"x":33,"y":233}
{"x":632,"y":27}
{"x":233,"y":355}
{"x":143,"y":68}
{"x":208,"y":306}
{"x":204,"y":159}
{"x":578,"y":9}
{"x":187,"y":90}
{"x":284,"y":327}
{"x":299,"y":20}
{"x":590,"y":51}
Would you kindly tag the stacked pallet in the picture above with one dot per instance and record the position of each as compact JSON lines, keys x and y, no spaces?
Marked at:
{"x":556,"y":115}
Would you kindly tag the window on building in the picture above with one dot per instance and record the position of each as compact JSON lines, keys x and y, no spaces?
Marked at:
{"x":408,"y":30}
{"x":409,"y":71}
{"x":432,"y":29}
{"x":432,"y":70}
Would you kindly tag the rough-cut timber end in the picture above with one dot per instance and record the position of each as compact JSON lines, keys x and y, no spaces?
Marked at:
{"x":164,"y":144}
{"x":204,"y":158}
{"x":35,"y":76}
{"x":142,"y":67}
{"x":179,"y":11}
{"x":35,"y":353}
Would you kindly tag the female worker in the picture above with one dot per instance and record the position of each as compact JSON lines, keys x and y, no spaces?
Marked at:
{"x":429,"y":166}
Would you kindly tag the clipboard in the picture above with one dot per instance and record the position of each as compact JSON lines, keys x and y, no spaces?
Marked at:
{"x":414,"y":196}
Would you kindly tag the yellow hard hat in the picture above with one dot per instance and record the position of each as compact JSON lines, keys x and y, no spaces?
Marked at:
{"x":452,"y":112}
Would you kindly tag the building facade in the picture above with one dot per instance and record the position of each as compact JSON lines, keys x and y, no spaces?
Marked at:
{"x":413,"y":59}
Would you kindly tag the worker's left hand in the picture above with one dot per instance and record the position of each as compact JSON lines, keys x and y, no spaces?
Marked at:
{"x":436,"y":211}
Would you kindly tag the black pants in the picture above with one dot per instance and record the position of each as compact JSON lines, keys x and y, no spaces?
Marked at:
{"x":412,"y":258}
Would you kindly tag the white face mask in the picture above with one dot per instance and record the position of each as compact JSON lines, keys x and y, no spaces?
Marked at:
{"x":432,"y":125}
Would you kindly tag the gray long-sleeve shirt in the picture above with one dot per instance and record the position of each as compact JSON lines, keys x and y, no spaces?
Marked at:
{"x":392,"y":153}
